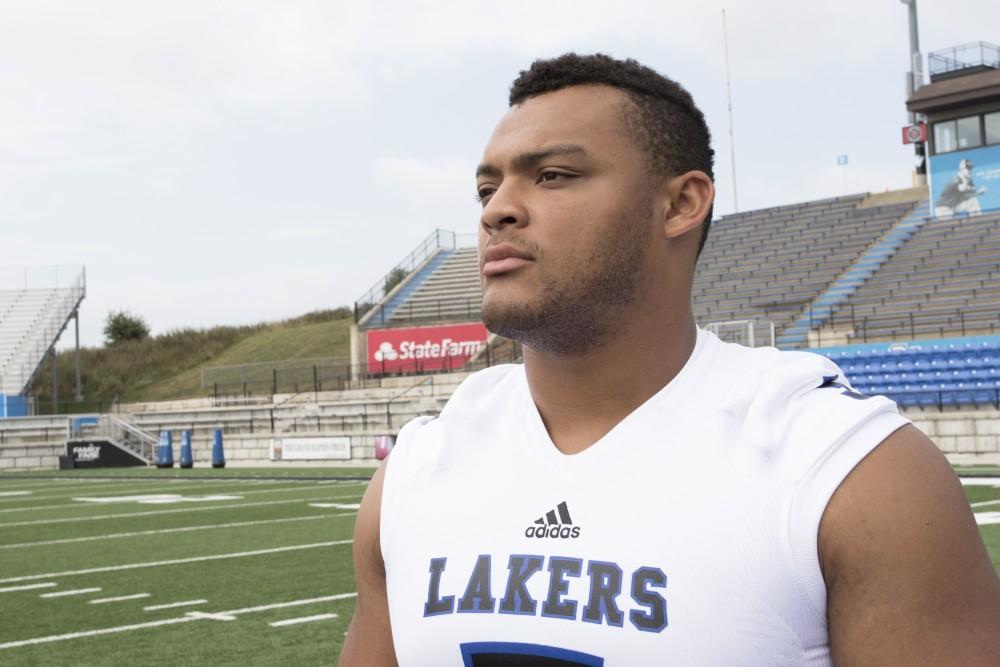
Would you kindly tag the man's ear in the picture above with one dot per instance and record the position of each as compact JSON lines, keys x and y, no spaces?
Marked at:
{"x":690,"y":197}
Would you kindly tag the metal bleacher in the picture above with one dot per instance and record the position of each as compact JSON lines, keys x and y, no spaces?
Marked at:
{"x":772,"y":263}
{"x":32,"y":316}
{"x":943,"y":281}
{"x":451,"y":293}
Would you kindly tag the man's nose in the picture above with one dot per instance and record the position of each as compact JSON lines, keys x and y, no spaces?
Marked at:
{"x":504,"y":208}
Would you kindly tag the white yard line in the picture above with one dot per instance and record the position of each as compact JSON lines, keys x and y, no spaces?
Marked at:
{"x":94,"y":633}
{"x":187,"y":618}
{"x":78,"y":503}
{"x":62,"y":594}
{"x":303,"y":619}
{"x":7,"y":494}
{"x":164,"y":531}
{"x":177,"y":561}
{"x":126,"y":488}
{"x":101,"y":517}
{"x":174,"y":605}
{"x":984,"y":503}
{"x":285,"y":605}
{"x":29,"y":587}
{"x":120,"y":598}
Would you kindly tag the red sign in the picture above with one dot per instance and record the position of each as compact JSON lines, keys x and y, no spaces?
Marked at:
{"x":424,"y":348}
{"x":915,"y":134}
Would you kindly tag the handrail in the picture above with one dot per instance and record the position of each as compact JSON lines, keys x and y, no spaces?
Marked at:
{"x":439,"y":238}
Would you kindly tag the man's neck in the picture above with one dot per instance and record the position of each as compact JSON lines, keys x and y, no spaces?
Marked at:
{"x":582,"y":397}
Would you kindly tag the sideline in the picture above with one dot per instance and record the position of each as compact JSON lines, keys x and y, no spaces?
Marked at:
{"x":188,"y":508}
{"x":176,"y":561}
{"x":187,"y":618}
{"x":163,"y":531}
{"x":82,"y":499}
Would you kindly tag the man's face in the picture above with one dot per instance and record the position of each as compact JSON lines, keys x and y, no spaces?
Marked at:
{"x":567,"y":220}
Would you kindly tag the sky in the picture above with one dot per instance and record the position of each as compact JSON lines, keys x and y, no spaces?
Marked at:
{"x":235,"y":162}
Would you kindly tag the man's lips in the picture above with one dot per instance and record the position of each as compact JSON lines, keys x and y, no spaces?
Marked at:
{"x":504,"y":258}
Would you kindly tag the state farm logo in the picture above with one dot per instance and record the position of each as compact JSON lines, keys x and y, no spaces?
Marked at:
{"x":86,"y":452}
{"x":386,"y":352}
{"x":411,"y":349}
{"x":424,"y":348}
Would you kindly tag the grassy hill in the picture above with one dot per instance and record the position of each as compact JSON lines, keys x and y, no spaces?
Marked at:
{"x":169,"y":366}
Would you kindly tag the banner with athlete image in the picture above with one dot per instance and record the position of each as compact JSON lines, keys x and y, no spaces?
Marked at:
{"x":965,"y":181}
{"x":417,"y":349}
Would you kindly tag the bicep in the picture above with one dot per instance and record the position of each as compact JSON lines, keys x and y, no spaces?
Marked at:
{"x":369,"y":637}
{"x":908,"y":578}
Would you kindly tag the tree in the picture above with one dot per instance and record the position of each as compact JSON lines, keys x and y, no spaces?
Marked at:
{"x":121,"y":325}
{"x":396,"y":276}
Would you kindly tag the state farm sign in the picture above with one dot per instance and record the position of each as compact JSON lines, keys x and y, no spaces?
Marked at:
{"x":424,"y":348}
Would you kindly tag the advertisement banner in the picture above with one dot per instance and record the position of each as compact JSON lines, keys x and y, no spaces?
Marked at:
{"x":966,"y":181}
{"x":337,"y":448}
{"x":424,"y":348}
{"x":100,"y":454}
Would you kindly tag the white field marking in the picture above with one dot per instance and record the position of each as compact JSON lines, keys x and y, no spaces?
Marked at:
{"x":987,"y":518}
{"x":157,"y":499}
{"x":174,"y":605}
{"x":303,"y":619}
{"x":29,"y":587}
{"x":139,"y":486}
{"x":94,"y":633}
{"x":62,"y":594}
{"x":176,"y":561}
{"x":163,"y":531}
{"x":285,"y":605}
{"x":261,"y":503}
{"x":981,"y":481}
{"x":187,"y":618}
{"x":15,"y":493}
{"x":210,"y":617}
{"x":338,"y":506}
{"x":120,"y":598}
{"x":984,"y":503}
{"x":312,"y":487}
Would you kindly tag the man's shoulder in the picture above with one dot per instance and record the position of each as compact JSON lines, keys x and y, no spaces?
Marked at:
{"x":793,"y":403}
{"x":482,"y":390}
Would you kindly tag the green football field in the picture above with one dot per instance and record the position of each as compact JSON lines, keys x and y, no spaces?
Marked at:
{"x":202,"y":567}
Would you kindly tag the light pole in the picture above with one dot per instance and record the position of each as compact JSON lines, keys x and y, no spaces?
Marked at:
{"x":915,"y":79}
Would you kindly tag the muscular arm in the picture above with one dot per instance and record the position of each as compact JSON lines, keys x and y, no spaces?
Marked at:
{"x":369,"y":638}
{"x":909,"y":581}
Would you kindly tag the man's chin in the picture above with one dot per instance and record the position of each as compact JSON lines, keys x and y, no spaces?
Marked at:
{"x":511,"y":320}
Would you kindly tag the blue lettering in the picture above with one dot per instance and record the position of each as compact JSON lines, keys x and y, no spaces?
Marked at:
{"x":559,"y":569}
{"x":605,"y":586}
{"x":477,"y":596}
{"x":435,"y":603}
{"x":655,"y":619}
{"x":517,"y":600}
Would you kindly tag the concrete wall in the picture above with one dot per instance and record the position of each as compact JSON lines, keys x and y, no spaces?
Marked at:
{"x":966,"y":435}
{"x":21,"y":458}
{"x":36,"y":443}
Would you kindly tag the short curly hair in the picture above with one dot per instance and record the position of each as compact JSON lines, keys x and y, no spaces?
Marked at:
{"x":663,"y":117}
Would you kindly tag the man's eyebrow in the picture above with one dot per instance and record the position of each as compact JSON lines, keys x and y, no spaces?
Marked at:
{"x":526,"y":160}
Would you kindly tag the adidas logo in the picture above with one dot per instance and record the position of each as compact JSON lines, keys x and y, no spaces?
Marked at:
{"x":556,"y":524}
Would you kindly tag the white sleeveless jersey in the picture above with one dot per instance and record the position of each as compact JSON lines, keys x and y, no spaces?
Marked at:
{"x":685,"y":536}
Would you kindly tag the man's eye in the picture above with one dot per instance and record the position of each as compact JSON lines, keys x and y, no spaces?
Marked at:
{"x":483,"y":194}
{"x":549,"y":176}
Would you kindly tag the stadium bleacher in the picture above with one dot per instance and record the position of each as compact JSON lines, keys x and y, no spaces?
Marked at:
{"x":450,"y":293}
{"x":771,"y":264}
{"x":941,"y":373}
{"x":31,"y":320}
{"x":943,"y":281}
